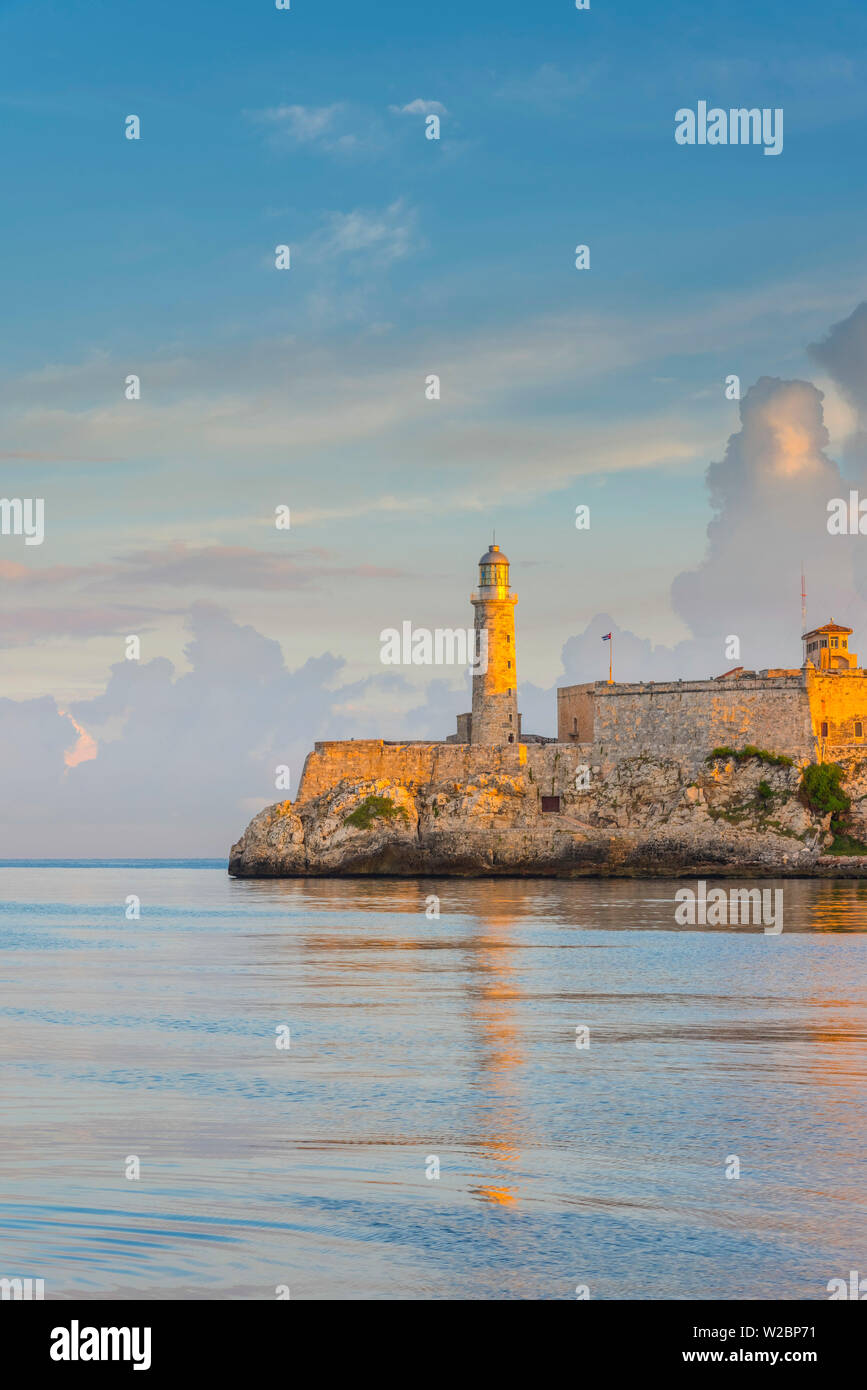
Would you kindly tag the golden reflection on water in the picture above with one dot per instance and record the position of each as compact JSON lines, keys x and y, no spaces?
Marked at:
{"x":493,"y":1020}
{"x":839,"y":908}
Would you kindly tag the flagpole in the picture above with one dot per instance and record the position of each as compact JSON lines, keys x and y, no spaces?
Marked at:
{"x":611,"y":660}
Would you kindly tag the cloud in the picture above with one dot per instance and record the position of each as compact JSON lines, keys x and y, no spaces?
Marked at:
{"x":284,"y":397}
{"x":843,"y":354}
{"x":174,"y":567}
{"x":233,"y":567}
{"x":85,"y":748}
{"x":550,"y":86}
{"x":377,"y":237}
{"x":341,"y":128}
{"x":25,"y":625}
{"x":304,"y":124}
{"x":420,"y":107}
{"x":769,"y":496}
{"x":384,"y":505}
{"x":308,"y":125}
{"x":181,"y":762}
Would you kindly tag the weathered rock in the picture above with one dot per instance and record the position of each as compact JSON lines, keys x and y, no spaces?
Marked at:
{"x":274,"y":836}
{"x":647,"y":816}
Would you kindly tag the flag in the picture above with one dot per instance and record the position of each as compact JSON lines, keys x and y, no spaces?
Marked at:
{"x":607,"y":637}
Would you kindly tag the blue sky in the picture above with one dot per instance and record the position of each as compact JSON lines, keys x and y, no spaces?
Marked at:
{"x":412,"y":257}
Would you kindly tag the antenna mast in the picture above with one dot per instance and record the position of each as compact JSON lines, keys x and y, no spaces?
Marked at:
{"x":803,"y":611}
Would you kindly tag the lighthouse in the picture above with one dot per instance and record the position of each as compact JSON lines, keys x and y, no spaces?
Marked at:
{"x":495,"y":697}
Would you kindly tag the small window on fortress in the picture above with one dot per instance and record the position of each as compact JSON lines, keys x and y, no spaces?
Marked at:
{"x":859,"y":729}
{"x":575,"y":725}
{"x":824,"y":729}
{"x":833,"y":641}
{"x":550,"y":803}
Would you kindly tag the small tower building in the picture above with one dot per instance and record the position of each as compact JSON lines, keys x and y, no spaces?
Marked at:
{"x":827,"y":648}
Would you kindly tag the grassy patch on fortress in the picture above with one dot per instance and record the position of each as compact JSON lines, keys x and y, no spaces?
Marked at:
{"x":374,"y":808}
{"x":740,"y":755}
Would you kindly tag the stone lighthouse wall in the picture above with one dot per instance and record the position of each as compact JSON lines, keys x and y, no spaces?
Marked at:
{"x":495,"y":693}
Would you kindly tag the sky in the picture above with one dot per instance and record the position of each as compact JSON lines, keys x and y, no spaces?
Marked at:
{"x":305,"y":388}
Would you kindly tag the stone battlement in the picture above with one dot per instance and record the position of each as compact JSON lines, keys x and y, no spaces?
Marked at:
{"x":762,"y":680}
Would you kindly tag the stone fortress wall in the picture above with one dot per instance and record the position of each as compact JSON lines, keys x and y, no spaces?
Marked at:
{"x":817,"y":717}
{"x":553,"y":767}
{"x":810,"y":716}
{"x":686,"y":719}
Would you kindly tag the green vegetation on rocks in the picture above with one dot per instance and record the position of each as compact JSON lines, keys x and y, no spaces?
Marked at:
{"x":846,"y":844}
{"x":821,"y":790}
{"x":371,"y":809}
{"x":740,"y":755}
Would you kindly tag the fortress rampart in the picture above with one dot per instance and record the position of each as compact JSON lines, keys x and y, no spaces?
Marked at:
{"x":414,"y":765}
{"x":808,"y":715}
{"x":686,"y":719}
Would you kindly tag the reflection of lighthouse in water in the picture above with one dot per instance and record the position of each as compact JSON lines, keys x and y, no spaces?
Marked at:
{"x":493,"y":997}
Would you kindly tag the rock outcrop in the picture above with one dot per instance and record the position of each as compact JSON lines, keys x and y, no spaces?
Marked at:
{"x":645,"y":816}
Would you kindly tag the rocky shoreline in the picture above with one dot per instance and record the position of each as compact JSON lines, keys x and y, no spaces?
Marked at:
{"x":643,"y":817}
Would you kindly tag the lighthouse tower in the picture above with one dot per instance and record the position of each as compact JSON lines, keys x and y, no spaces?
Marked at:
{"x":495,"y":698}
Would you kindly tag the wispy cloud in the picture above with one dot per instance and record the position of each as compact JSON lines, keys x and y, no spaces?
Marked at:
{"x":303,"y":124}
{"x":23,"y":626}
{"x":179,"y":565}
{"x":380,"y":237}
{"x":341,"y":128}
{"x":420,"y":107}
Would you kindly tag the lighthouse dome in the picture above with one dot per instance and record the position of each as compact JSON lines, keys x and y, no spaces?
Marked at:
{"x":494,"y":556}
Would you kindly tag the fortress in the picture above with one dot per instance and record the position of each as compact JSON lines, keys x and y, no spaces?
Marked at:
{"x":813,"y":713}
{"x":641,"y":779}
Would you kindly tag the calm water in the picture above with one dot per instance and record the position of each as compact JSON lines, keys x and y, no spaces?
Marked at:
{"x":413,"y":1037}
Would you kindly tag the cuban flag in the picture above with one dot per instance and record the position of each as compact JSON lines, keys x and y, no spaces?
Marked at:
{"x":607,"y":637}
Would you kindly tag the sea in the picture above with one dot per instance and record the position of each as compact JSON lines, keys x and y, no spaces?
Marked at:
{"x":379,"y":1088}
